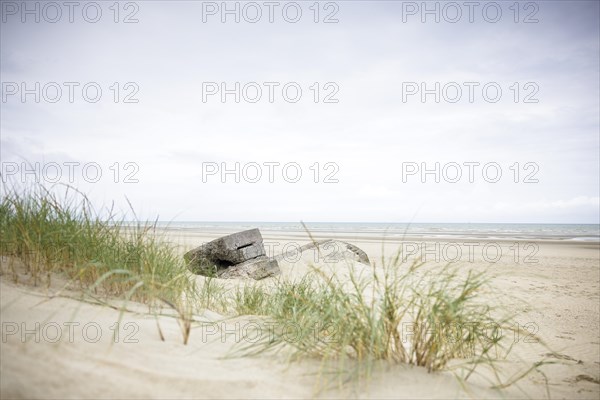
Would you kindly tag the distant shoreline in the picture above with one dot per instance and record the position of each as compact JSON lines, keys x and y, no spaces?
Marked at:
{"x":543,"y":233}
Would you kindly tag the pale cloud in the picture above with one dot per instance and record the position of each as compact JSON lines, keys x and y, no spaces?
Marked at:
{"x":368,"y":134}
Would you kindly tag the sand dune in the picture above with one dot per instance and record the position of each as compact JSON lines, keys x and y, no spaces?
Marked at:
{"x":74,"y":353}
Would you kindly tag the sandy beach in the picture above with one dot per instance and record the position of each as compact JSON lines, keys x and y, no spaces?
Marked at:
{"x":300,"y":199}
{"x":56,"y":346}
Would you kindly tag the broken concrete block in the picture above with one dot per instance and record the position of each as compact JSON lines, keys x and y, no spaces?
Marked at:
{"x":258,"y":268}
{"x":360,"y":255}
{"x":330,"y":250}
{"x":218,"y":256}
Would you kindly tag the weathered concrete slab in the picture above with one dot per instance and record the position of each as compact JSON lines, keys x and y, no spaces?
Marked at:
{"x":258,"y":268}
{"x":331,"y":250}
{"x":244,"y":250}
{"x":360,"y":255}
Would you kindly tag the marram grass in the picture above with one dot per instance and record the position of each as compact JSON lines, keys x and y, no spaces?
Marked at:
{"x":61,"y":233}
{"x":437,"y":318}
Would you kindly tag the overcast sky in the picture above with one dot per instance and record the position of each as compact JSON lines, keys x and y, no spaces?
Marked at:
{"x":172,"y":144}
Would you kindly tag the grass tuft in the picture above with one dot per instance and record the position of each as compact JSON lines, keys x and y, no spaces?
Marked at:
{"x":61,"y":233}
{"x":399,"y":314}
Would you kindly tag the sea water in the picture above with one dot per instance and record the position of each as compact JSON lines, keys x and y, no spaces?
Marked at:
{"x":490,"y":231}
